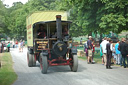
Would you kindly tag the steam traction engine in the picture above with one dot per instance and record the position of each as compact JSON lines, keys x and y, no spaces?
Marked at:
{"x":53,"y":51}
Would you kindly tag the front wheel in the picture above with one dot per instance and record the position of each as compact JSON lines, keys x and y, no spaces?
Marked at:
{"x":43,"y":63}
{"x":74,"y":63}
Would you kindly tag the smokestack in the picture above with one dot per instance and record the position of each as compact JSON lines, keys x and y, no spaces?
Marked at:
{"x":59,"y":27}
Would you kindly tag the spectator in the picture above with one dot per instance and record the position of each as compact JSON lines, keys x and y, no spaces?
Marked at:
{"x":13,"y":44}
{"x":101,"y":54}
{"x":81,"y":41}
{"x":109,"y":54}
{"x":118,"y":54}
{"x":8,"y":46}
{"x":21,"y":45}
{"x":123,"y":50}
{"x":86,"y":49}
{"x":114,"y":58}
{"x":127,"y":51}
{"x":2,"y":47}
{"x":89,"y":44}
{"x":16,"y":44}
{"x":93,"y":49}
{"x":104,"y":51}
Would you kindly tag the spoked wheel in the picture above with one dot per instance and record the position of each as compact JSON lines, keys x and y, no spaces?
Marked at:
{"x":74,"y":62}
{"x":31,"y":60}
{"x":43,"y":63}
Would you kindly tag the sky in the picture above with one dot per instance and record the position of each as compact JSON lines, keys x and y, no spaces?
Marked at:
{"x":10,"y":2}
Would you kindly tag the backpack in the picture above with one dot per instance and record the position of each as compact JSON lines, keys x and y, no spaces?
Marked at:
{"x":85,"y":46}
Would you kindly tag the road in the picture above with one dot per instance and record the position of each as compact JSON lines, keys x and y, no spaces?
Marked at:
{"x":88,"y":74}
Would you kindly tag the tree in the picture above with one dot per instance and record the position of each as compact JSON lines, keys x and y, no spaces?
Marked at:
{"x":116,"y":17}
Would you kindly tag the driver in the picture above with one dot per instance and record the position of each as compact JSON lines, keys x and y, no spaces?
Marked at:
{"x":41,"y":32}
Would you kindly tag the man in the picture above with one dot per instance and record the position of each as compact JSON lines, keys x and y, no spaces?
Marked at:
{"x":103,"y":45}
{"x":8,"y":46}
{"x":109,"y":54}
{"x":123,"y":50}
{"x":127,"y":51}
{"x":41,"y":32}
{"x":89,"y":44}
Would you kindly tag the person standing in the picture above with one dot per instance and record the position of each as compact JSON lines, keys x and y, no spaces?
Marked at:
{"x":81,"y":41}
{"x":86,"y":49}
{"x":8,"y":46}
{"x":118,"y":54}
{"x":114,"y":57}
{"x":109,"y":54}
{"x":123,"y":50}
{"x":101,"y":54}
{"x":89,"y":44}
{"x":93,"y":50}
{"x":103,"y":45}
{"x":16,"y":43}
{"x":1,"y":47}
{"x":21,"y":45}
{"x":127,"y":51}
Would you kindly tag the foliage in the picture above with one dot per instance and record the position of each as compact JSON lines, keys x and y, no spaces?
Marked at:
{"x":116,"y":17}
{"x":95,"y":16}
{"x":2,"y":12}
{"x":87,"y":16}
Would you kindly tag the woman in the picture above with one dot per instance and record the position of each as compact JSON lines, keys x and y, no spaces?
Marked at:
{"x":101,"y":54}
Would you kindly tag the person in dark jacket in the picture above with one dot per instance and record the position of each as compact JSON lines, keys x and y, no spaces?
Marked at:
{"x":41,"y":32}
{"x":109,"y":54}
{"x":123,"y":50}
{"x":89,"y":44}
{"x":127,"y":51}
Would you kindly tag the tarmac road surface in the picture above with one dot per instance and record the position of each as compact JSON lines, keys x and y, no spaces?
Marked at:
{"x":88,"y":74}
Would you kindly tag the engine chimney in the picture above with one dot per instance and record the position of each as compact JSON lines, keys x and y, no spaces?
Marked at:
{"x":59,"y":27}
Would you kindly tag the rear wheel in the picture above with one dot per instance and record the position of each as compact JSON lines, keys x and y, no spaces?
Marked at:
{"x":30,"y":59}
{"x":33,"y":60}
{"x":43,"y":63}
{"x":74,"y":62}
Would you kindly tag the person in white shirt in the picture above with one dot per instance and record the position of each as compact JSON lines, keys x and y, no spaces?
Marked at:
{"x":103,"y":45}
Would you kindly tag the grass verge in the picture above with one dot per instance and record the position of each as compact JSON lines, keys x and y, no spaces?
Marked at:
{"x":7,"y":74}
